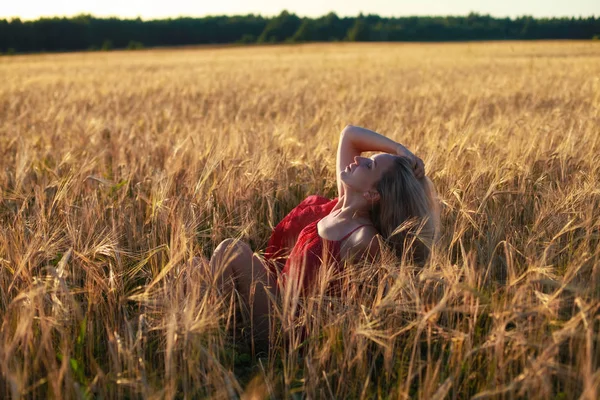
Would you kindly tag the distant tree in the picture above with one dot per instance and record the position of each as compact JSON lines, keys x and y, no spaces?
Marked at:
{"x":307,"y":32}
{"x":280,"y":28}
{"x":107,"y":45}
{"x":360,"y":31}
{"x":133,"y":45}
{"x":84,"y":31}
{"x":247,"y":38}
{"x":327,"y":28}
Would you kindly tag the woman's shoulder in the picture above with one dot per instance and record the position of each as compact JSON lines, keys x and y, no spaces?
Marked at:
{"x":364,"y":234}
{"x":363,"y":242}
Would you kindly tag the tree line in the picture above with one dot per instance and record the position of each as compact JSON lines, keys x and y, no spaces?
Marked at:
{"x":85,"y":32}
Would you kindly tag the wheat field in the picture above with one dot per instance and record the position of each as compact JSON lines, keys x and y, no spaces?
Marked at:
{"x":117,"y":169}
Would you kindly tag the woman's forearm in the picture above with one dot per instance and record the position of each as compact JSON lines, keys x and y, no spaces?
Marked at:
{"x":363,"y":139}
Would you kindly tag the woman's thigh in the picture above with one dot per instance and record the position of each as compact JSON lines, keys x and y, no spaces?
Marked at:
{"x":234,"y":262}
{"x":236,"y":267}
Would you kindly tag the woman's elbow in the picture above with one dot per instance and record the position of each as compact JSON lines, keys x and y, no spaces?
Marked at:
{"x":347,"y":129}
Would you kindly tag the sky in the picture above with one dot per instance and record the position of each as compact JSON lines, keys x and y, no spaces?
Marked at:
{"x":151,"y":9}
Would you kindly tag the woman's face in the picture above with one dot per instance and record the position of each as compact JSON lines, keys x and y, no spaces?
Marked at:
{"x":364,"y":173}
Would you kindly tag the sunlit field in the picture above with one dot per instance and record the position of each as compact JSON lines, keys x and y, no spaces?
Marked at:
{"x":117,"y":169}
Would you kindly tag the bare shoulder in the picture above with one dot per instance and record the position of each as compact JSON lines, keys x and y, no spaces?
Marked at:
{"x":364,"y":242}
{"x":364,"y":235}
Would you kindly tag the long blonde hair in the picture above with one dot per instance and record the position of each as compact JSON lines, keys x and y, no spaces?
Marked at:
{"x":407,"y":214}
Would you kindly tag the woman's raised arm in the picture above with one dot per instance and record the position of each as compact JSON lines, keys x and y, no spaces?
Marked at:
{"x":355,"y":140}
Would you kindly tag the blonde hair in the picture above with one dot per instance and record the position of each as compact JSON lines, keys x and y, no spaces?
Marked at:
{"x":407,"y":214}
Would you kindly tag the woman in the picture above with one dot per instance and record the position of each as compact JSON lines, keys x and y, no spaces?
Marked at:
{"x":376,"y":197}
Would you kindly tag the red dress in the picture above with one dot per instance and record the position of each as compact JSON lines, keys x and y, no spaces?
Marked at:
{"x":295,"y":246}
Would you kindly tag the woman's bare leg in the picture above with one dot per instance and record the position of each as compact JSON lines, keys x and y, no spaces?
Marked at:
{"x":234,"y":263}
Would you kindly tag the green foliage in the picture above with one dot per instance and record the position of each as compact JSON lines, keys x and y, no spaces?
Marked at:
{"x":107,"y":45}
{"x":133,"y":45}
{"x":359,"y":32}
{"x":596,"y":37}
{"x":87,"y":32}
{"x":280,"y":28}
{"x":247,"y":38}
{"x":306,"y":32}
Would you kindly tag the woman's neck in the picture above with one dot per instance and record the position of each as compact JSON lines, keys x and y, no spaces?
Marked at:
{"x":354,"y":206}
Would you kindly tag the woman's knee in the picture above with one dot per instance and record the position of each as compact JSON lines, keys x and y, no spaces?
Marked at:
{"x":231,"y":248}
{"x":227,"y":253}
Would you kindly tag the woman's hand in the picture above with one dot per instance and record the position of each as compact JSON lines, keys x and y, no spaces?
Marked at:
{"x":417,"y":164}
{"x":418,"y":167}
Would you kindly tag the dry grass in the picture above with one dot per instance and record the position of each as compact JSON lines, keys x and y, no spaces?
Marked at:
{"x":117,"y":168}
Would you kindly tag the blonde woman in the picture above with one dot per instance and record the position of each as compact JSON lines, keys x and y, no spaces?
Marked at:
{"x":376,"y":196}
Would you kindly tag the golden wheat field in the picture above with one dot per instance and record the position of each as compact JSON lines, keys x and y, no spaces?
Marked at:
{"x":117,"y":169}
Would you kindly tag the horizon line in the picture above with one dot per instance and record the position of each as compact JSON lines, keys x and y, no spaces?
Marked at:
{"x":181,"y":16}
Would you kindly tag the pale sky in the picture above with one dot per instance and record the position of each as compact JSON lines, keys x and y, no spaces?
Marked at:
{"x":150,"y":9}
